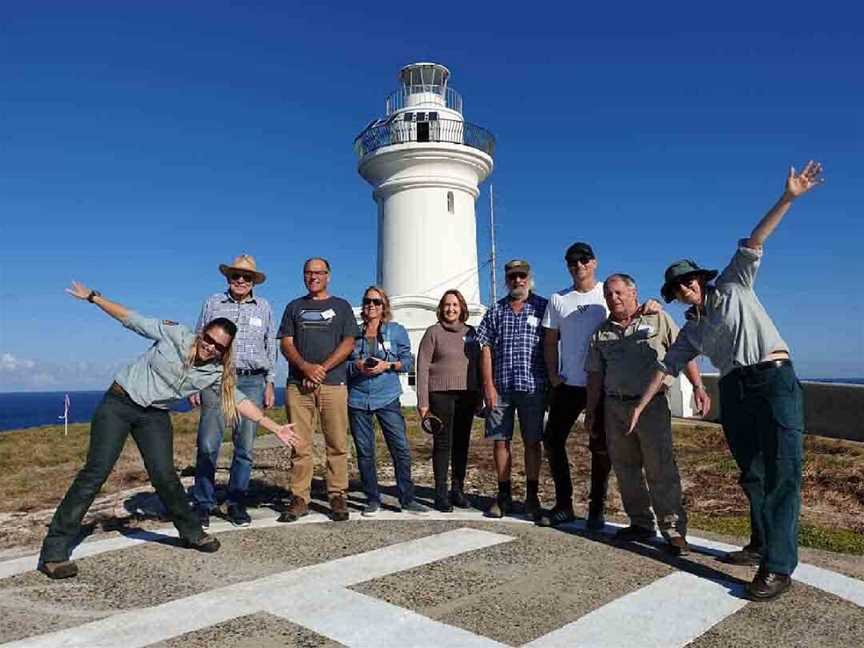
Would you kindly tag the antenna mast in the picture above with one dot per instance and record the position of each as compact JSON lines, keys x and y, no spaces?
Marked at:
{"x":492,"y":233}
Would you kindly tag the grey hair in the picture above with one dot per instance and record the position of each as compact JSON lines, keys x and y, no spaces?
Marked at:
{"x":322,"y":259}
{"x":620,"y":276}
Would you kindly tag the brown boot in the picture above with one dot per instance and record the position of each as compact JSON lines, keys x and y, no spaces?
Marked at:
{"x":338,"y":508}
{"x":296,"y":509}
{"x":57,"y":570}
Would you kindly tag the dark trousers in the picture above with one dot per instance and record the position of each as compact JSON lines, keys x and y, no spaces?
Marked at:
{"x":762,"y":411}
{"x":114,"y":419}
{"x":567,"y":402}
{"x":456,"y":411}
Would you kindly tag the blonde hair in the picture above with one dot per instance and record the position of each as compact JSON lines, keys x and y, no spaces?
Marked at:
{"x":229,"y":376}
{"x":386,"y":313}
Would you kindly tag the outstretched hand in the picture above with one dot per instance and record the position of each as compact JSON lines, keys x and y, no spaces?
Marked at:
{"x":78,"y":290}
{"x":797,"y":184}
{"x":286,"y":435}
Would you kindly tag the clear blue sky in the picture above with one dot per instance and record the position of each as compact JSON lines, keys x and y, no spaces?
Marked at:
{"x":142,"y":144}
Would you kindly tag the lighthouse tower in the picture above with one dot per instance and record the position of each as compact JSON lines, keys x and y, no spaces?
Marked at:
{"x":425,"y":162}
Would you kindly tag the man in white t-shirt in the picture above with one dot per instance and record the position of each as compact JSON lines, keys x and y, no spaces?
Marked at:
{"x":571,"y":317}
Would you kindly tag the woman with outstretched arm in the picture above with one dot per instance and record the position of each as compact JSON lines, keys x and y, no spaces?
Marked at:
{"x":178,"y":365}
{"x":761,"y":400}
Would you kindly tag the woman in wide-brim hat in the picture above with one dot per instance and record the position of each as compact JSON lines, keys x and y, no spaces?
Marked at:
{"x":760,"y":397}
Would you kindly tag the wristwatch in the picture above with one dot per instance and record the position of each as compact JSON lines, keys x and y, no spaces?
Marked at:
{"x":392,"y":366}
{"x":93,"y":294}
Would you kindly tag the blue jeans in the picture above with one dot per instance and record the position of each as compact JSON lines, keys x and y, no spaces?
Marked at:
{"x":211,"y":429}
{"x":393,"y":426}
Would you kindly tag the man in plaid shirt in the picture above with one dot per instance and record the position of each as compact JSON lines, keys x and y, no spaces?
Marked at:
{"x":514,"y":381}
{"x":255,"y":362}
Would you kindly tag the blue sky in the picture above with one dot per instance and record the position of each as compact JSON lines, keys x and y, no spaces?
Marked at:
{"x":142,"y":144}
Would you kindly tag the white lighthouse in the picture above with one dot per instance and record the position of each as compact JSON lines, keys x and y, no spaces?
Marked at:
{"x":425,"y":163}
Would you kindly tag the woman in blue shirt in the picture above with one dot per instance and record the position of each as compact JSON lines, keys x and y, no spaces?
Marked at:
{"x":178,"y":364}
{"x":381,"y":353}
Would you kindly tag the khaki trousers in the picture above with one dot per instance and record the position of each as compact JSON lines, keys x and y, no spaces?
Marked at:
{"x":649,"y":447}
{"x":330,"y":403}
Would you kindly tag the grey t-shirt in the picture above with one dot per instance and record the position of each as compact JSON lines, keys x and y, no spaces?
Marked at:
{"x":318,"y":326}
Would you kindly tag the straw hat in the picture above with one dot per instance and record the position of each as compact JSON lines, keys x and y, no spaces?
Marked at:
{"x":243,"y":263}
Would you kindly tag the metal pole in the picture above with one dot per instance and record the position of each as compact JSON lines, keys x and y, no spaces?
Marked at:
{"x":492,"y":232}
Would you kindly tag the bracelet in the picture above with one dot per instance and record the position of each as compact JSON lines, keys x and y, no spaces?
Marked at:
{"x":93,"y":294}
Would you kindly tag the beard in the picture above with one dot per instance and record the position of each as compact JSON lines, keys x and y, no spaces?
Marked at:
{"x":520,"y":292}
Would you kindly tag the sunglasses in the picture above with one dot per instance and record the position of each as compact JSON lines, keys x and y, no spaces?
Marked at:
{"x":242,"y":276}
{"x":372,"y":301}
{"x":209,"y":341}
{"x":316,"y":273}
{"x":584,"y":260}
{"x":517,"y":275}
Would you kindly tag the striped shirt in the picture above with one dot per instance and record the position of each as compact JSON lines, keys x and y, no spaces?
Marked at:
{"x":516,"y":340}
{"x":255,"y":344}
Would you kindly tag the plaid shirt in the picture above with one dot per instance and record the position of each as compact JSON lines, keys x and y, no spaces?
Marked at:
{"x":255,"y":344}
{"x":516,"y":341}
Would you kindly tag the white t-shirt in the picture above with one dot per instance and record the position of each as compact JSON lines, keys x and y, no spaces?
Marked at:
{"x":575,"y":315}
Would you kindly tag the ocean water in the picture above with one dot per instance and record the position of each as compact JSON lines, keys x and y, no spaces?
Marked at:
{"x":32,"y":409}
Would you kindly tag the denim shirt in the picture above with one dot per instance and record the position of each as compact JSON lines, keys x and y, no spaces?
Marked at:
{"x":374,"y":392}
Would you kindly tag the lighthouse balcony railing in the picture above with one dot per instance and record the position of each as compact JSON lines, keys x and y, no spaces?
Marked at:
{"x":449,"y":131}
{"x":424,"y":95}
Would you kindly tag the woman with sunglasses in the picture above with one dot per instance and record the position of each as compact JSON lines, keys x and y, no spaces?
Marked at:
{"x":448,"y":388}
{"x":176,"y":366}
{"x":761,"y":400}
{"x":381,"y":353}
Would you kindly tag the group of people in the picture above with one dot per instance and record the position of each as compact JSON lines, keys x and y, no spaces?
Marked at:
{"x":592,"y":348}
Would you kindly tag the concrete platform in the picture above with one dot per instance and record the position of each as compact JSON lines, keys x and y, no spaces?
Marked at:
{"x":414,"y":580}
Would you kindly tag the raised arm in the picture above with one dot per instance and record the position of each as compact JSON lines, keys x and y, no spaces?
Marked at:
{"x":82,"y":292}
{"x":797,"y":184}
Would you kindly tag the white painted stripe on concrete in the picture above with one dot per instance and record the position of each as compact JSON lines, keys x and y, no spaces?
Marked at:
{"x":837,"y":584}
{"x":672,"y":611}
{"x":308,"y":588}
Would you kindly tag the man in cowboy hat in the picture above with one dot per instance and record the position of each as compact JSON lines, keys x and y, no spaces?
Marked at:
{"x":255,"y":363}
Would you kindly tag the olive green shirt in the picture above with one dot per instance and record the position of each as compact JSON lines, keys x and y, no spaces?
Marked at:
{"x":627,"y":356}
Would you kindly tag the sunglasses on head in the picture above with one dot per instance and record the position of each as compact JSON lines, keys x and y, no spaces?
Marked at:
{"x":517,"y":275}
{"x":372,"y":301}
{"x":242,"y":276}
{"x":584,"y":260}
{"x":209,"y":341}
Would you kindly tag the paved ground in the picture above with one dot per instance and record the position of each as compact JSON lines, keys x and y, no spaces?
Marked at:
{"x":407,"y":580}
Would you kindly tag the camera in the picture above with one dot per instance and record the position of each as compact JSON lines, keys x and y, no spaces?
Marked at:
{"x":370,"y":363}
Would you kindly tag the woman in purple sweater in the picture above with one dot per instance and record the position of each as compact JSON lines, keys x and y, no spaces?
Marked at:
{"x":448,"y":387}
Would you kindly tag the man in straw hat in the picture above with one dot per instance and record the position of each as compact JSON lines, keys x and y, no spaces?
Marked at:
{"x":255,"y":364}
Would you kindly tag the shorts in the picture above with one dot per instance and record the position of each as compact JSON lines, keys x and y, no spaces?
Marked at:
{"x":530,"y":406}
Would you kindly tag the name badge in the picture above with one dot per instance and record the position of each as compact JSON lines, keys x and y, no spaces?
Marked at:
{"x":532,"y":320}
{"x":645,"y":329}
{"x":328,"y":314}
{"x":256,"y":321}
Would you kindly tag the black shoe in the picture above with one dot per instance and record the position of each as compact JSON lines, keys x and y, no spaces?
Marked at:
{"x":556,"y":517}
{"x":533,"y":510}
{"x":203,"y":517}
{"x":206,"y":543}
{"x":442,"y":503}
{"x":633,"y":533}
{"x":744,"y":556}
{"x":500,"y":507}
{"x":457,"y":496}
{"x":596,"y":521}
{"x":768,"y":585}
{"x":238,"y":516}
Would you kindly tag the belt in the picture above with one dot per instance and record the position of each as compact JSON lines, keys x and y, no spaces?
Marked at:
{"x":761,"y":366}
{"x":251,"y":372}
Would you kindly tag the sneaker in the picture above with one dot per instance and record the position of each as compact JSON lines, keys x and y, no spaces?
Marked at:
{"x":678,"y":546}
{"x":296,"y":509}
{"x":556,"y":517}
{"x":203,"y":517}
{"x":238,"y":516}
{"x":338,"y":509}
{"x":371,"y":509}
{"x":500,"y":507}
{"x":58,"y":570}
{"x":415,"y":507}
{"x":206,"y":543}
{"x":633,"y":533}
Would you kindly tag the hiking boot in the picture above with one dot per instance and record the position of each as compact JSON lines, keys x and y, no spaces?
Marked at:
{"x":768,"y":585}
{"x":58,"y":570}
{"x":206,"y":543}
{"x":296,"y":509}
{"x":678,"y":546}
{"x":533,"y":510}
{"x":744,"y":556}
{"x":338,"y":508}
{"x":372,"y":508}
{"x":556,"y":517}
{"x":500,"y":507}
{"x":415,"y":507}
{"x":238,"y":516}
{"x":633,"y":533}
{"x":457,"y":496}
